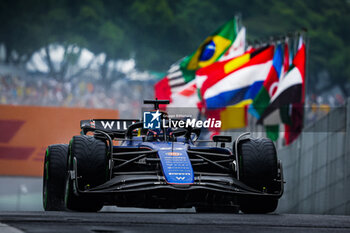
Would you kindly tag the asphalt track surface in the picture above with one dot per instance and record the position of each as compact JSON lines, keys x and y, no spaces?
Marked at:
{"x":168,"y":222}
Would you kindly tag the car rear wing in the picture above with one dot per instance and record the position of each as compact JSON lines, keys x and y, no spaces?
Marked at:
{"x":106,"y":125}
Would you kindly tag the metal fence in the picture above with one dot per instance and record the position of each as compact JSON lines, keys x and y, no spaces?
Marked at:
{"x":317,"y":167}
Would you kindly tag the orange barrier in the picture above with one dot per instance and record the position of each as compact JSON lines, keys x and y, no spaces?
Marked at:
{"x":26,"y":131}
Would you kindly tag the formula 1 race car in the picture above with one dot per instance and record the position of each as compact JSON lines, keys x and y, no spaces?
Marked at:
{"x":128,"y":164}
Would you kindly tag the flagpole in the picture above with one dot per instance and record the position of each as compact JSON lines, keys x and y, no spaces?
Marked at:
{"x":238,"y":18}
{"x":306,"y":78}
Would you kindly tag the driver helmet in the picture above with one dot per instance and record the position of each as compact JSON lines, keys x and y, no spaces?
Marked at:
{"x":158,"y":134}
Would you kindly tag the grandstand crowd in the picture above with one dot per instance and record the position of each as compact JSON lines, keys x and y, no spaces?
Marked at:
{"x":123,"y":95}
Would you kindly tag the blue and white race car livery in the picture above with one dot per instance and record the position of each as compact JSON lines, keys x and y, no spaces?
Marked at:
{"x":134,"y":163}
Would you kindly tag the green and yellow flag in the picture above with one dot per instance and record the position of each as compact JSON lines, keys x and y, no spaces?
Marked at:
{"x":210,"y":50}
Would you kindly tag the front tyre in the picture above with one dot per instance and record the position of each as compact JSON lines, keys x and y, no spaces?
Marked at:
{"x":258,"y":169}
{"x":55,"y":170}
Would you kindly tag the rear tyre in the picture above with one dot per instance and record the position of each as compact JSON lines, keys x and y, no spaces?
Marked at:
{"x":92,"y":170}
{"x":258,"y":169}
{"x":55,"y":170}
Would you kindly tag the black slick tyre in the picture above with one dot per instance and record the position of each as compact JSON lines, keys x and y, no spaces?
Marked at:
{"x":55,"y":170}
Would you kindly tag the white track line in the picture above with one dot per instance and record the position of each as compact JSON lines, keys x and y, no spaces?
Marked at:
{"x":4,"y":228}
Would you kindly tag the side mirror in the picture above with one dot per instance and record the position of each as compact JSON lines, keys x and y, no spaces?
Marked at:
{"x":222,"y":139}
{"x":219,"y":138}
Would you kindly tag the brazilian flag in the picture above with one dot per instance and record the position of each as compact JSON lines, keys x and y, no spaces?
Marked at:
{"x":210,"y":50}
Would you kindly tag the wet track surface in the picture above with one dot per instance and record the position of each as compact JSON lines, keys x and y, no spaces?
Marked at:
{"x":171,"y":222}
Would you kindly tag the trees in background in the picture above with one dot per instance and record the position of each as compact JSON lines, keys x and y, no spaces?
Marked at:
{"x":157,"y":33}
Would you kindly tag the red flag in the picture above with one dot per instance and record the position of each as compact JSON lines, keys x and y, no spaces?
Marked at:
{"x":293,"y":130}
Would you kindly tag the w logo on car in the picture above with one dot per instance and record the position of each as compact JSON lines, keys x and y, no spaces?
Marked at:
{"x":151,"y":120}
{"x":180,"y":177}
{"x":107,"y":124}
